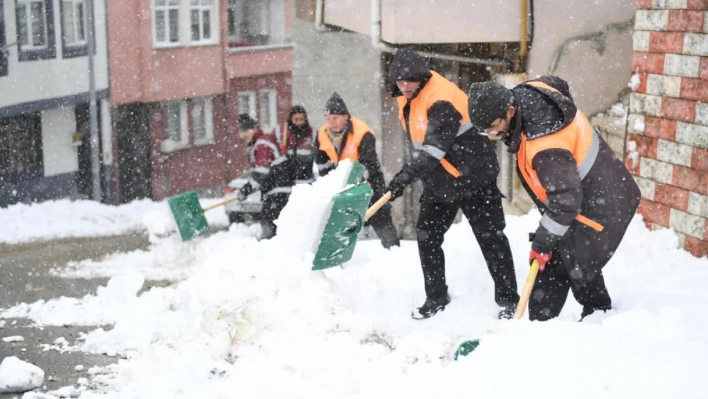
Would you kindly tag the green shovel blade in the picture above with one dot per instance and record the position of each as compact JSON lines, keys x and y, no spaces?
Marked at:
{"x":466,"y":348}
{"x":356,"y":175}
{"x":343,"y":226}
{"x":189,"y":215}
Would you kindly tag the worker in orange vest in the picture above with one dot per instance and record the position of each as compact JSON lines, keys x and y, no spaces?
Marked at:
{"x":585,"y":193}
{"x":458,"y":168}
{"x":345,"y":137}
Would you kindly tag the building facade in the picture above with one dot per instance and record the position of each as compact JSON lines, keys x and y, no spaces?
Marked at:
{"x":667,"y":138}
{"x":45,"y":149}
{"x":181,"y":72}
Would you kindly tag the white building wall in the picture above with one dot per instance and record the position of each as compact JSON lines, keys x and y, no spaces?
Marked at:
{"x":30,"y":81}
{"x":60,"y":156}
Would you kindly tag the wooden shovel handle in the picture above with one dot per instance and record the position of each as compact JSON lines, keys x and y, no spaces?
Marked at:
{"x":218,"y":204}
{"x":526,"y":293}
{"x":377,"y":205}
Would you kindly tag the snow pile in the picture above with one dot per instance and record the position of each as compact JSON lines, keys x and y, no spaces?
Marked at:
{"x":19,"y":376}
{"x":250,"y":319}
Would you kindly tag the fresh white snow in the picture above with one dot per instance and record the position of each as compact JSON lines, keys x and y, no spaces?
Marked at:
{"x":19,"y":376}
{"x":249,"y":319}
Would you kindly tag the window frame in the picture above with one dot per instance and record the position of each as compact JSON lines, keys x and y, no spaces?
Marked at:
{"x":208,"y":103}
{"x":272,"y":95}
{"x":251,"y":102}
{"x":212,"y":20}
{"x":166,"y":9}
{"x":169,"y":144}
{"x":50,"y":50}
{"x":184,"y":24}
{"x":74,"y":50}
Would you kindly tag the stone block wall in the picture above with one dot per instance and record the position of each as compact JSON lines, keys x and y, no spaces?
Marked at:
{"x":667,"y":130}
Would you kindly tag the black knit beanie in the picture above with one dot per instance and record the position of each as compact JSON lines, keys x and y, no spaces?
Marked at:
{"x":335,"y":105}
{"x":488,"y":101}
{"x":245,"y":122}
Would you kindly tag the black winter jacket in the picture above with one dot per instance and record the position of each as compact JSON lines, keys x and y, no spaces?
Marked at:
{"x":608,"y":194}
{"x":471,"y":153}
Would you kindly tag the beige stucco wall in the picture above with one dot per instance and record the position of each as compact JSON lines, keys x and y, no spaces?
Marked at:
{"x":431,"y":21}
{"x":596,"y":67}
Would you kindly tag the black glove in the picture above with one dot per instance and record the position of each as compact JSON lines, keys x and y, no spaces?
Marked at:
{"x":398,"y":184}
{"x":245,"y":191}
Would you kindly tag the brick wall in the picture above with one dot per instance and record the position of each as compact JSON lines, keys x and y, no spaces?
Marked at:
{"x":667,"y":138}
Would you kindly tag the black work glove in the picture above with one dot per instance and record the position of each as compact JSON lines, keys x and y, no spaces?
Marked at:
{"x":398,"y":184}
{"x":245,"y":191}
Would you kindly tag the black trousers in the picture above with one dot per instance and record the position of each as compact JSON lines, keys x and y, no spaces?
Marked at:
{"x":382,"y":222}
{"x":272,"y":206}
{"x":551,"y":290}
{"x":486,"y":217}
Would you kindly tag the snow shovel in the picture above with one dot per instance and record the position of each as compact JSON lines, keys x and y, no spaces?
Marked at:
{"x":189,"y":215}
{"x":467,"y":347}
{"x":344,"y":224}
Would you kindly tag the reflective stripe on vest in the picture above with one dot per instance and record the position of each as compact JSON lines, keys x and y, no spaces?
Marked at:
{"x":351,"y":149}
{"x":580,"y":139}
{"x":436,"y":89}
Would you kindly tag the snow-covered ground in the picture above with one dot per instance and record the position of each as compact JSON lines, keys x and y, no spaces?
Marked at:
{"x":249,"y":319}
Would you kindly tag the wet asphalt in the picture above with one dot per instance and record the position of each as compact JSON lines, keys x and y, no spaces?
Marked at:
{"x":25,"y":278}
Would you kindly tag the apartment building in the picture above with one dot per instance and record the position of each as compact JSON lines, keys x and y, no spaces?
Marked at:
{"x":45,"y":149}
{"x":181,"y":72}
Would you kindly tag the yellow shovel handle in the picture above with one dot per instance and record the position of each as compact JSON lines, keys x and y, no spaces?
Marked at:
{"x":377,"y":205}
{"x":526,"y":293}
{"x":218,"y":204}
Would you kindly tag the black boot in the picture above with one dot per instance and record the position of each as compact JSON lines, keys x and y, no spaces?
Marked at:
{"x":507,"y":312}
{"x":588,"y":310}
{"x":430,"y":307}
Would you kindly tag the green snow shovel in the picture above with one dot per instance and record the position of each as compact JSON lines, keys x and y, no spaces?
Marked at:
{"x":467,"y":347}
{"x":189,"y":215}
{"x":345,"y":221}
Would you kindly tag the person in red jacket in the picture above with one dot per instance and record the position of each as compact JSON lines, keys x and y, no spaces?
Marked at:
{"x":262,"y":150}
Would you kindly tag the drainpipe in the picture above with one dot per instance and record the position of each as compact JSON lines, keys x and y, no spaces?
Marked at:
{"x":319,"y":16}
{"x":523,"y":41}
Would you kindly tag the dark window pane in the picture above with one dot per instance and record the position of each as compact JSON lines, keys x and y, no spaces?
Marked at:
{"x":22,"y":28}
{"x":206,"y":23}
{"x":174,"y":26}
{"x":194,"y":18}
{"x":80,"y":22}
{"x":160,"y":34}
{"x":38,"y":33}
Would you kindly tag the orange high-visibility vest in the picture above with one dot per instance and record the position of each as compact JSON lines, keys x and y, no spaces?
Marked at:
{"x":353,"y":140}
{"x":578,"y":138}
{"x":436,"y":89}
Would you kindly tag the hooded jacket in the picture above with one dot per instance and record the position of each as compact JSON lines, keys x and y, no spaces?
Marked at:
{"x":470,"y":153}
{"x":603,"y":191}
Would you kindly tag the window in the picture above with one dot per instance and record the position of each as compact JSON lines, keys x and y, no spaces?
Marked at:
{"x":175,"y":118}
{"x":35,"y":30}
{"x":247,"y":103}
{"x":203,"y":120}
{"x":268,"y":110}
{"x":256,"y":22}
{"x":185,"y":22}
{"x":166,"y":21}
{"x":74,"y":28}
{"x":201,"y":19}
{"x":21,"y":148}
